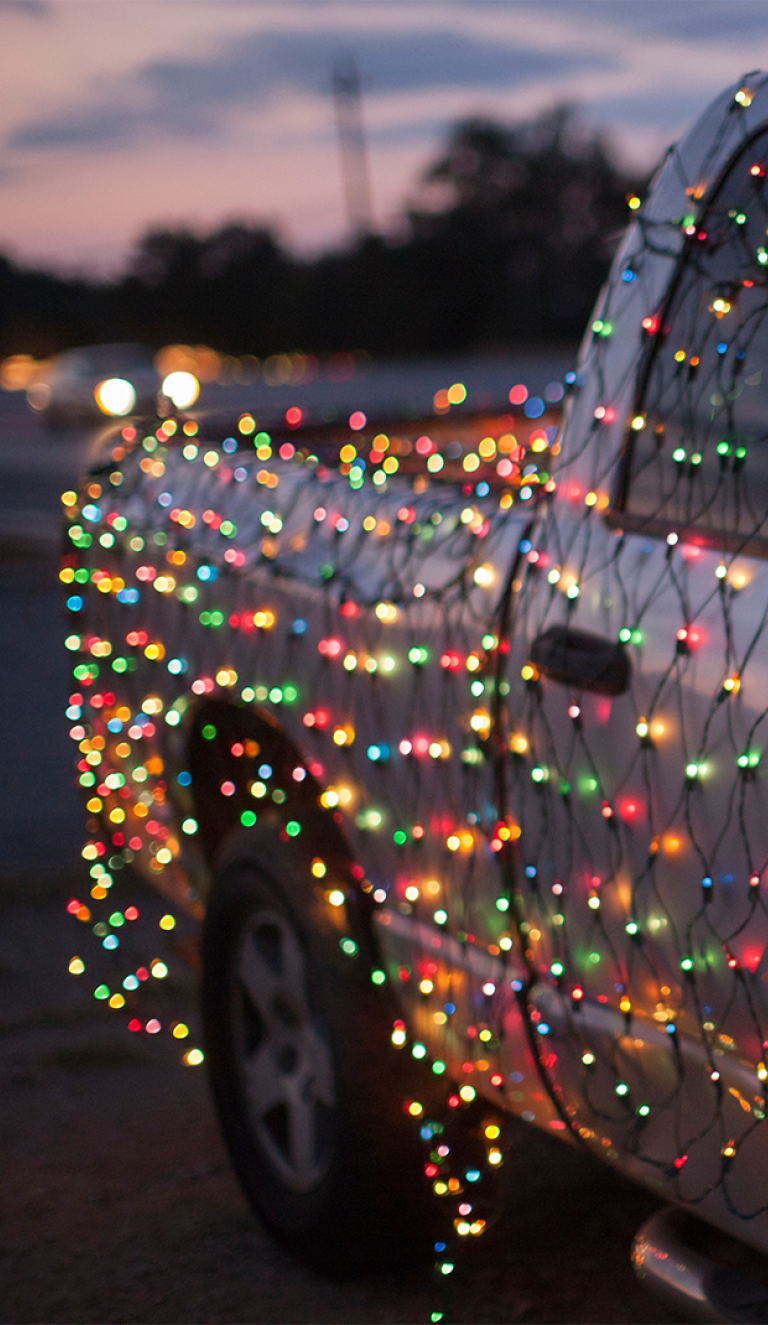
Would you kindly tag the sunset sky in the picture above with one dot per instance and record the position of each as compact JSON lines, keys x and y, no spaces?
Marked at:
{"x":120,"y":114}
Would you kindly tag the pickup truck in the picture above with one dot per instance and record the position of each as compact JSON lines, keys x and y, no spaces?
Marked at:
{"x":450,"y":732}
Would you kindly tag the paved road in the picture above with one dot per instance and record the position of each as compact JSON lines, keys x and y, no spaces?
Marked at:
{"x":119,"y":1206}
{"x":40,"y":815}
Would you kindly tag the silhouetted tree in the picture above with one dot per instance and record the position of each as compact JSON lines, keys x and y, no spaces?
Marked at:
{"x":508,"y":242}
{"x":528,"y":220}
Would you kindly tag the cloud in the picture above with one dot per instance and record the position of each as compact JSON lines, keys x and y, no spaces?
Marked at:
{"x":699,"y":20}
{"x":657,"y":107}
{"x":26,"y":8}
{"x":688,"y":20}
{"x":191,"y":98}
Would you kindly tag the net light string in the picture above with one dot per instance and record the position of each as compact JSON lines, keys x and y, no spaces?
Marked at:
{"x":185,"y":554}
{"x":625,"y":839}
{"x":643,"y":857}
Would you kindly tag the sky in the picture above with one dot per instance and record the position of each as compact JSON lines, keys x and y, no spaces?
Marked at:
{"x":121,"y":115}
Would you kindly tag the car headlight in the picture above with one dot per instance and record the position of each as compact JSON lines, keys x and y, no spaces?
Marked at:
{"x":182,"y":388}
{"x":115,"y":396}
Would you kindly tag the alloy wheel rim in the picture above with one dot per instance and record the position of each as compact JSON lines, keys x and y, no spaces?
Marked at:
{"x":284,"y":1061}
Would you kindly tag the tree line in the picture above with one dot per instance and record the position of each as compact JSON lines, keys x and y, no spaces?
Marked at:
{"x":508,"y":244}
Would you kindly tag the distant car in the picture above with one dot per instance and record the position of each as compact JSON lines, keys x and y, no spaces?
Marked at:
{"x":460,"y":745}
{"x":96,"y":381}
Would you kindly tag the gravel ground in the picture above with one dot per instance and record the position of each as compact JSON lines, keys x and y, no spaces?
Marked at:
{"x":119,"y":1205}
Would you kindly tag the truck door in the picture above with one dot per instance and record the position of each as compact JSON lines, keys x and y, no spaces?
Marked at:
{"x":636,"y":728}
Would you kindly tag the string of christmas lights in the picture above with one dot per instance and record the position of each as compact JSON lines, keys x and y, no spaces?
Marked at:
{"x":185,"y":557}
{"x":640,"y":888}
{"x":568,"y":883}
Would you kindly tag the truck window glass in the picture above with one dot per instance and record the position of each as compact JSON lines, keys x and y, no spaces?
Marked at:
{"x":696,"y":459}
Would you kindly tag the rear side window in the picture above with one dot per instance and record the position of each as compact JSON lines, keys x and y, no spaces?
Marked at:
{"x":696,"y":457}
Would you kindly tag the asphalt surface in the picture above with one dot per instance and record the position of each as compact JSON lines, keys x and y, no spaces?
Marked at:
{"x":40,"y":815}
{"x":118,"y":1203}
{"x":116,"y":1199}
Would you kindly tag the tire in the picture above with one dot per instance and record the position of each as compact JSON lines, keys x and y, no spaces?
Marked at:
{"x":308,"y":1089}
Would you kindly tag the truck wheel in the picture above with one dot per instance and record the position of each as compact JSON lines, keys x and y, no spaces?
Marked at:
{"x":308,"y":1089}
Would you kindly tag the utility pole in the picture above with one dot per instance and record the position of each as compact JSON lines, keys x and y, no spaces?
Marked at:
{"x":354,"y":157}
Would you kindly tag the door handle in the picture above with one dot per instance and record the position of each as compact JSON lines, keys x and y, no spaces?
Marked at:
{"x":582,"y":660}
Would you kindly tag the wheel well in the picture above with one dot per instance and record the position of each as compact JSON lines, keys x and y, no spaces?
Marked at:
{"x":216,"y":727}
{"x":228,"y":743}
